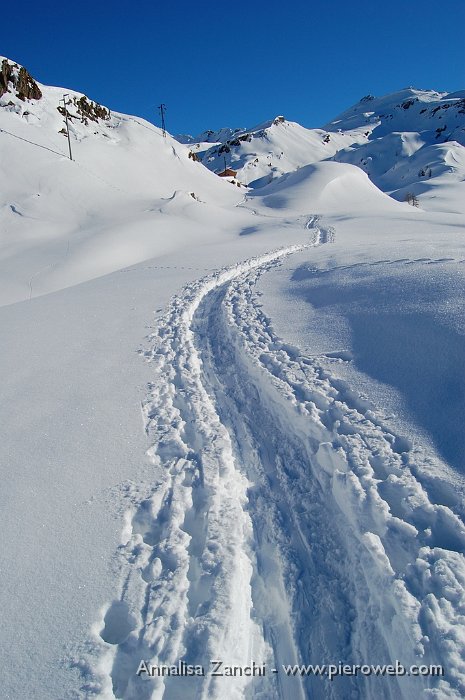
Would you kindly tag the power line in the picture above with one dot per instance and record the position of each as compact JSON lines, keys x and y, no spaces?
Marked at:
{"x":67,"y":126}
{"x":162,"y":110}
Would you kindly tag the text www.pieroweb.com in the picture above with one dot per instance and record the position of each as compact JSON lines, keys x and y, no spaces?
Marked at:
{"x":331,"y":671}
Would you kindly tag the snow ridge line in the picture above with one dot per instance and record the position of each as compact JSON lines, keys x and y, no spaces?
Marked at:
{"x":185,"y":593}
{"x":404,"y":565}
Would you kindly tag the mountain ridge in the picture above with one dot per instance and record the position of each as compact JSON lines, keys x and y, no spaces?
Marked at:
{"x":396,"y":139}
{"x":126,"y":173}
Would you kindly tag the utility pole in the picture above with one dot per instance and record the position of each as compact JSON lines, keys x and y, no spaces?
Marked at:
{"x":67,"y":126}
{"x":162,"y":110}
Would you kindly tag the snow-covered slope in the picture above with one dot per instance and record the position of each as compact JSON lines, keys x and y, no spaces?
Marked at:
{"x":231,"y":419}
{"x":411,"y":141}
{"x":129,"y":193}
{"x":325,"y":187}
{"x":209,"y":136}
{"x":439,"y":113}
{"x":415,"y":143}
{"x":266,"y":151}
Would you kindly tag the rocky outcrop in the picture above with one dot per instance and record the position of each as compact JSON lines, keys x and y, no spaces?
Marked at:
{"x":18,"y":79}
{"x":90,"y":110}
{"x":85,"y":110}
{"x":26,"y":86}
{"x":5,"y":75}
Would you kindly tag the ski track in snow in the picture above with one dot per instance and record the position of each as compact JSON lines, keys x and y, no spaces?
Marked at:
{"x":289,"y":527}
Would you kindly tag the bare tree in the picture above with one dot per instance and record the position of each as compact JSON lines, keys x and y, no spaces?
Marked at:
{"x":411,"y":199}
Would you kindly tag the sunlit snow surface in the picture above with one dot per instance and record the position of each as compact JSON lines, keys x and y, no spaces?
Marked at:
{"x":231,"y":421}
{"x":408,"y":142}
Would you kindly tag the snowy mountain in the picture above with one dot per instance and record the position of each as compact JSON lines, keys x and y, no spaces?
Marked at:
{"x":407,"y":142}
{"x":437,"y":115}
{"x":209,"y":136}
{"x":415,"y":142}
{"x":268,"y":150}
{"x":125,"y":178}
{"x":232,"y":417}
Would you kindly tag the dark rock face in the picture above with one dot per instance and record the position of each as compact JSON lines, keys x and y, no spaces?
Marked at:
{"x":22,"y":81}
{"x":90,"y":110}
{"x":26,"y":86}
{"x":5,"y":75}
{"x":408,"y":103}
{"x":85,"y":110}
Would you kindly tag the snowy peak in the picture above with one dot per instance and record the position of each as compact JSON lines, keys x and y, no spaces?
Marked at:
{"x":380,"y":135}
{"x":226,"y":134}
{"x":413,"y":147}
{"x":270,"y":149}
{"x":209,"y":136}
{"x":407,"y":110}
{"x":407,"y":142}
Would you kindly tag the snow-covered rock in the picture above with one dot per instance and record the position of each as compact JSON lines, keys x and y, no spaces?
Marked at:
{"x":415,"y":144}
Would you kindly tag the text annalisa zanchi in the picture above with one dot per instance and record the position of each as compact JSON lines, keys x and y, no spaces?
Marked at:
{"x":218,"y":668}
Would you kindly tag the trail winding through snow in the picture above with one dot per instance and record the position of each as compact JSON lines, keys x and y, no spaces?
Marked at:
{"x":288,"y":528}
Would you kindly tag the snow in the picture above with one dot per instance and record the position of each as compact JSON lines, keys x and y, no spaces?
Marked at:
{"x":404,"y":296}
{"x":106,"y":205}
{"x":407,"y":142}
{"x":267,"y":151}
{"x":232,"y":421}
{"x":326,"y":186}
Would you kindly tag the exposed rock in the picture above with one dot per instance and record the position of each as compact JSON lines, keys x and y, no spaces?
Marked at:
{"x":85,"y":110}
{"x":90,"y":110}
{"x":408,"y":103}
{"x":62,"y":112}
{"x":12,"y":76}
{"x":26,"y":86}
{"x":5,"y":76}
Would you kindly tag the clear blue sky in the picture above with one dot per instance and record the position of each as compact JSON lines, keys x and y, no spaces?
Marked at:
{"x":235,"y":64}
